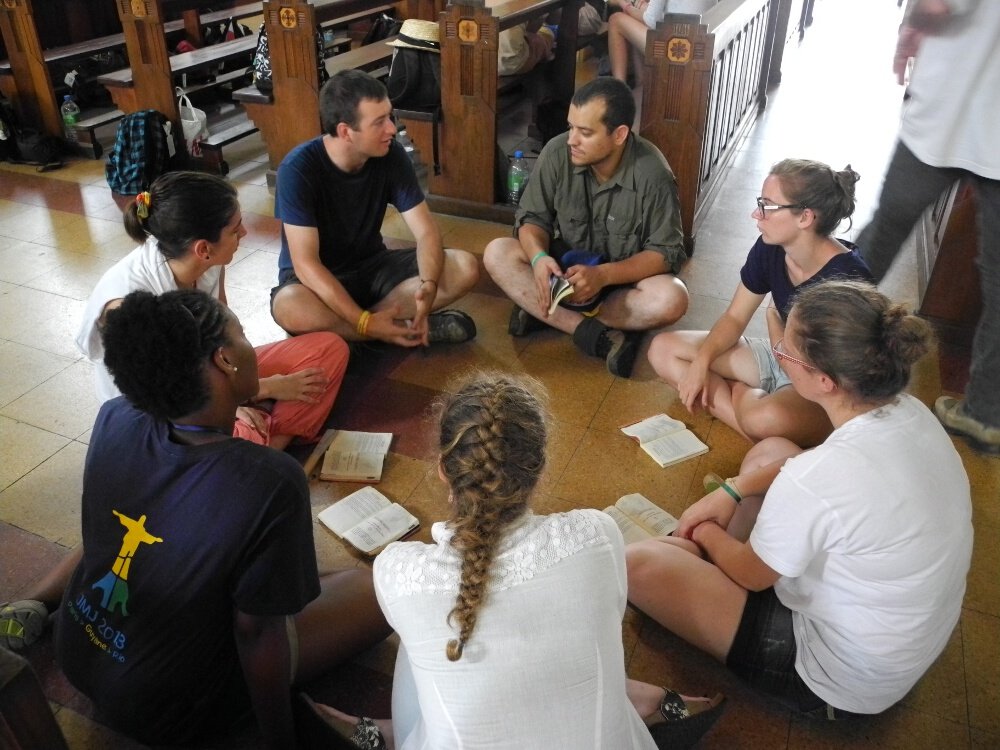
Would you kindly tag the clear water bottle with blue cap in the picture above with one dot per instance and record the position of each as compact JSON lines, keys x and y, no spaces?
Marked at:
{"x":517,"y":177}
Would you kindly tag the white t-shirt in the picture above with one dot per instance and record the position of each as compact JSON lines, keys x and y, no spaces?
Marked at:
{"x":544,"y":667}
{"x":952,"y":115}
{"x":144,"y":268}
{"x":872,"y":535}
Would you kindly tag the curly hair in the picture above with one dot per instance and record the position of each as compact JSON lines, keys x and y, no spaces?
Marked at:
{"x":493,"y":438}
{"x":861,"y":339}
{"x":183,"y":207}
{"x":157,"y":348}
{"x":816,"y":186}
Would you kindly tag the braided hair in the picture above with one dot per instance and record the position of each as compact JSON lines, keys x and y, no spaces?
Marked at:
{"x":493,"y":437}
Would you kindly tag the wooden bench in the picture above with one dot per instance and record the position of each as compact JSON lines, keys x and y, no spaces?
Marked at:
{"x":705,"y":84}
{"x":469,"y":88}
{"x":289,"y":115}
{"x":86,"y":135}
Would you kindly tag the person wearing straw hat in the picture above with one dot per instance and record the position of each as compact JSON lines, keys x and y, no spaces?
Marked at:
{"x":335,"y":272}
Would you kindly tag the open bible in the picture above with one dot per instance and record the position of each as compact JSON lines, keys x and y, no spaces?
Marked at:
{"x":355,"y":456}
{"x":559,"y":289}
{"x":638,"y":518}
{"x":666,"y":440}
{"x":368,"y":520}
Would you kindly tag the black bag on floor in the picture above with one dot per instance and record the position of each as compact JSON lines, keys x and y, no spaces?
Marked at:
{"x":20,"y":145}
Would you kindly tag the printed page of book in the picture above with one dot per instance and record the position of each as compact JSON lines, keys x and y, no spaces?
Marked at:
{"x":351,"y":441}
{"x":653,"y":427}
{"x":651,"y":517}
{"x":559,"y":289}
{"x":388,"y":525}
{"x":351,"y":510}
{"x":675,"y":447}
{"x":350,"y":465}
{"x":631,"y":531}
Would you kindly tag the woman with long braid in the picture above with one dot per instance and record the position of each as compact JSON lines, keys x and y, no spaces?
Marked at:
{"x":510,"y":623}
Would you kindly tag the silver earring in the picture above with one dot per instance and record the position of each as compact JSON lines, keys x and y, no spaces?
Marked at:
{"x":235,"y":368}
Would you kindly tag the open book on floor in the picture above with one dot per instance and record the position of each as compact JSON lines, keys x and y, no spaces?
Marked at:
{"x":355,"y":456}
{"x":638,"y":518}
{"x":368,"y":520}
{"x":667,"y":440}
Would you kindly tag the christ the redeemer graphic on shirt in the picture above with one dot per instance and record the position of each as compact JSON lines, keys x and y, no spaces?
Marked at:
{"x":114,"y":583}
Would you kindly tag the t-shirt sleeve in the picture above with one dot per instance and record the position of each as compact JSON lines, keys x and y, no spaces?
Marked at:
{"x":404,"y":188}
{"x":793,"y":523}
{"x":278,"y":573}
{"x":295,"y":193}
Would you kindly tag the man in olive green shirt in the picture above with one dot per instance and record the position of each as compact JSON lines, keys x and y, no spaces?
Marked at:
{"x":600,"y":210}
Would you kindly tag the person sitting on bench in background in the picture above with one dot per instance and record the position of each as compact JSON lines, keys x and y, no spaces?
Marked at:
{"x":334,"y":271}
{"x":600,"y":210}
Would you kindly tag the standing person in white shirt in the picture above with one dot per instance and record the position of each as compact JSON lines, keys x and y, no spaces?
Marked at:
{"x":948,"y":133}
{"x":852,"y":578}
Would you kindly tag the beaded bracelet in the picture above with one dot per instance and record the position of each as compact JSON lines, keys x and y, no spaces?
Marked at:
{"x":363,"y":323}
{"x":539,"y":254}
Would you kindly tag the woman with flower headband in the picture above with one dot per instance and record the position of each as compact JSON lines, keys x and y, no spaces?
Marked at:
{"x":736,"y":377}
{"x":189,"y":225}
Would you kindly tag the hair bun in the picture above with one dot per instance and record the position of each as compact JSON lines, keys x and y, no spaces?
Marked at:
{"x":846,"y":178}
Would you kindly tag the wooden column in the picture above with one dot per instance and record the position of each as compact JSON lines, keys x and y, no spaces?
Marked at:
{"x":678,"y":71}
{"x":291,"y":28}
{"x":152,"y":80}
{"x":470,"y":36}
{"x":33,"y":96}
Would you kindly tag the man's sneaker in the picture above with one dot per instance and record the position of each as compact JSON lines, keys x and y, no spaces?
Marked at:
{"x":450,"y":327}
{"x":21,"y":623}
{"x":616,"y":348}
{"x":951,"y":412}
{"x":619,"y":349}
{"x":522,"y":323}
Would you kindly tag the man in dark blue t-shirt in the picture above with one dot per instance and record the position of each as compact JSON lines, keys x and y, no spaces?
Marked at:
{"x":335,"y":273}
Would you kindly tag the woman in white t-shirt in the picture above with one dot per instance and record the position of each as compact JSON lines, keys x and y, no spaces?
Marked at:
{"x":852,"y":578}
{"x":510,"y":623}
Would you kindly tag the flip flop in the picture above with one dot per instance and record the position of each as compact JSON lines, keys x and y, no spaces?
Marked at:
{"x":318,"y":731}
{"x":676,"y":727}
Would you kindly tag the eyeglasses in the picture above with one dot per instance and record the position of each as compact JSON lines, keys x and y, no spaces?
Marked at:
{"x":781,"y":355}
{"x":765,"y":207}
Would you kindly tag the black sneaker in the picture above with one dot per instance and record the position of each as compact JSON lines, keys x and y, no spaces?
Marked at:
{"x":619,"y":349}
{"x":522,"y":323}
{"x":450,"y":327}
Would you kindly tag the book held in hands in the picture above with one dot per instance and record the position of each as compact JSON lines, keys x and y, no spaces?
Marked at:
{"x":639,"y":518}
{"x":368,"y":520}
{"x":355,"y":456}
{"x":559,"y":289}
{"x":667,"y":440}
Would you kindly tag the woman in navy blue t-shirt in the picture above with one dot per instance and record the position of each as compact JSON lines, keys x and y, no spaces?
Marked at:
{"x":736,"y":377}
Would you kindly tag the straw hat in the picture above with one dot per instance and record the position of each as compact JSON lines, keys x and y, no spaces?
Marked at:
{"x":417,"y":34}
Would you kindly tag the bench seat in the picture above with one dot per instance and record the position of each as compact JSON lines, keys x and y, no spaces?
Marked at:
{"x":85,"y":130}
{"x":211,"y":148}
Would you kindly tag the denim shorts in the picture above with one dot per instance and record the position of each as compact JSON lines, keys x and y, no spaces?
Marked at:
{"x":772,"y":377}
{"x":763,"y":656}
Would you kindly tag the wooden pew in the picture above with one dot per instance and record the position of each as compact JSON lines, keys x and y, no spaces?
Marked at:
{"x":705,"y":84}
{"x":29,"y":86}
{"x":470,"y":32}
{"x":290,"y":114}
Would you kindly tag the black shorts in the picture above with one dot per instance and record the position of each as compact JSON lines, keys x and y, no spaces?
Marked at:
{"x":371,"y":280}
{"x":763,"y":655}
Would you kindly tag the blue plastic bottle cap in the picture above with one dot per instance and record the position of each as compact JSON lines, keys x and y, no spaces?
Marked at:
{"x":67,"y":97}
{"x":518,"y":154}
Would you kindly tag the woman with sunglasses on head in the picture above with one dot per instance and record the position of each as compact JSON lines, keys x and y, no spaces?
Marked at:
{"x":197,"y":600}
{"x":737,"y":377}
{"x":189,"y":227}
{"x":836,"y":590}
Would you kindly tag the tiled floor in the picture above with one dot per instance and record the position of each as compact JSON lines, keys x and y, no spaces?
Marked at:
{"x":837,"y":102}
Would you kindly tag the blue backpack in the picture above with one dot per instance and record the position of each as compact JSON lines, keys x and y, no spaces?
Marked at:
{"x":140,"y":152}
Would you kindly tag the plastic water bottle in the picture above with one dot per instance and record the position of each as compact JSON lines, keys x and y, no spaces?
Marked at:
{"x":517,"y":177}
{"x":70,"y":117}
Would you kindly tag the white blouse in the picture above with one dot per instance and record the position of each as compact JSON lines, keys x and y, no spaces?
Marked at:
{"x":544,"y":666}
